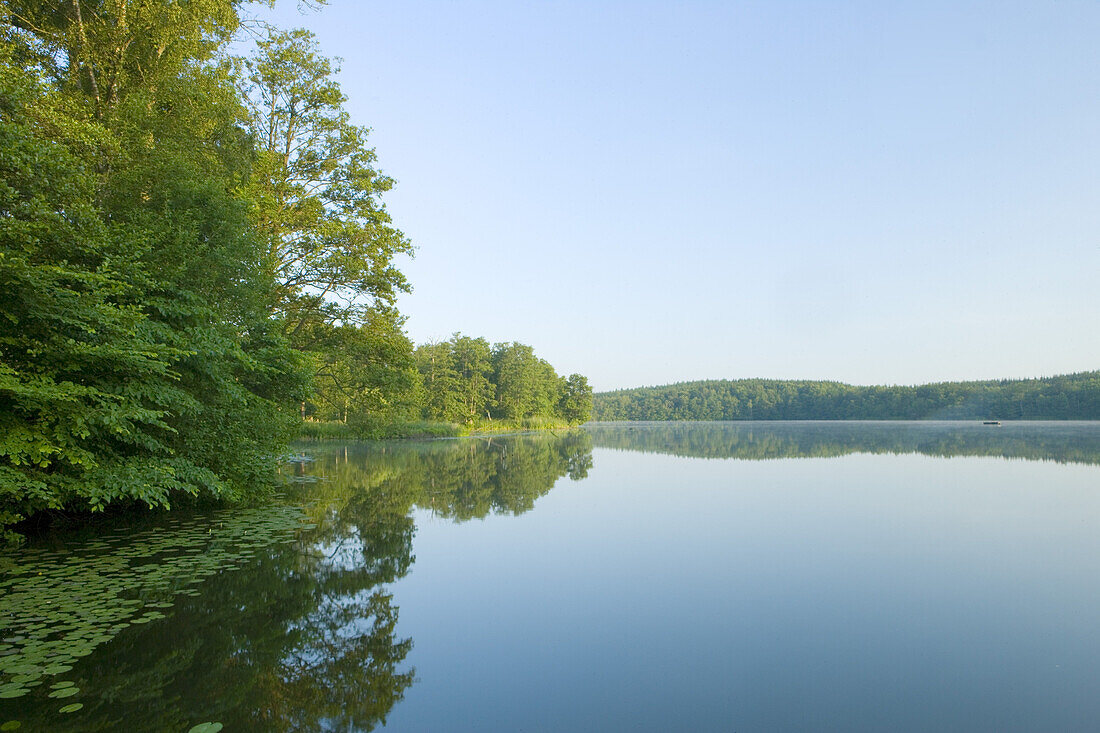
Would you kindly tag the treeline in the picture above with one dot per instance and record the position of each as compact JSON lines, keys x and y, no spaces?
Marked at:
{"x":1068,"y":397}
{"x":375,"y":381}
{"x":194,"y":254}
{"x":466,"y":380}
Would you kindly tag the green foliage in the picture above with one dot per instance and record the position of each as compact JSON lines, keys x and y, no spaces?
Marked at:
{"x":314,"y":189}
{"x":85,"y":382}
{"x":575,"y":403}
{"x":194,"y":255}
{"x":1069,"y":397}
{"x":465,"y":380}
{"x":364,"y":372}
{"x":456,"y":379}
{"x":138,"y":358}
{"x":525,"y":385}
{"x":376,"y":430}
{"x":328,"y":244}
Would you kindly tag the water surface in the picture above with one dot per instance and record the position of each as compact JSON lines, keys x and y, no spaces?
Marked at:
{"x":748,"y":576}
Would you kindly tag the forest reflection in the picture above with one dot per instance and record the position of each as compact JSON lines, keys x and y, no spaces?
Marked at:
{"x":461,"y":479}
{"x":1065,"y":442}
{"x":300,"y":634}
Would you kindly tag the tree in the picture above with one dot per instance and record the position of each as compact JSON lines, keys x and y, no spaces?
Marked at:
{"x":526,"y":385}
{"x":472,"y":367}
{"x":575,"y":404}
{"x":439,"y":380}
{"x":366,"y":372}
{"x":315,"y":191}
{"x":456,"y":378}
{"x":84,"y":383}
{"x":139,"y":359}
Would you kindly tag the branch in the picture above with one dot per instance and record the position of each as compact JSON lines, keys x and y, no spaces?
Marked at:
{"x":83,"y":48}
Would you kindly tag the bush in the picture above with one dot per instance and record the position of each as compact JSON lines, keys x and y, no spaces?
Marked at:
{"x":366,"y":429}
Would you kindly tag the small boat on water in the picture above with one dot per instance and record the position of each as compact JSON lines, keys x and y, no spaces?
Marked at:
{"x":992,"y":422}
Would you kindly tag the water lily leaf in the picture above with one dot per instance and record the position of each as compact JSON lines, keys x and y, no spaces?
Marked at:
{"x":206,"y":728}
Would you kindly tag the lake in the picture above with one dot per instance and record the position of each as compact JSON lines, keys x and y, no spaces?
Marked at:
{"x":635,"y":576}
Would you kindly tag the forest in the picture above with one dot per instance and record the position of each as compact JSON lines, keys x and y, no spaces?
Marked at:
{"x":195,"y":256}
{"x":387,"y":389}
{"x":1067,"y":397}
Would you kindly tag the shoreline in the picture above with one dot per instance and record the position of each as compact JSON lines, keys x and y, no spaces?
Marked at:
{"x":317,"y":430}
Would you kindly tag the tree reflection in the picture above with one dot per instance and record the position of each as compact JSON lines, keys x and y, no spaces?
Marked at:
{"x":304,"y":636}
{"x":1064,"y":442}
{"x":460,"y":479}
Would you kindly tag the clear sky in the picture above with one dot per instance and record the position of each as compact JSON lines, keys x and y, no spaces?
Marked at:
{"x":651,"y":192}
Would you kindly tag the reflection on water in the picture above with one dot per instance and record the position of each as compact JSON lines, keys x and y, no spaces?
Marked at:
{"x":1065,"y":442}
{"x":892,"y":589}
{"x":272,"y":633}
{"x":878,"y":592}
{"x":459,"y":479}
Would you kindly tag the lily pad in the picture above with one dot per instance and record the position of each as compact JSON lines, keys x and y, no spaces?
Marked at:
{"x":206,"y":728}
{"x":71,"y":708}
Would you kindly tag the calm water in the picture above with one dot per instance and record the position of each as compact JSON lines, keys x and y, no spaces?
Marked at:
{"x":653,"y":577}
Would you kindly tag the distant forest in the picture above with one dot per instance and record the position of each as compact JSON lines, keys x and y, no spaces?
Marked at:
{"x":1067,"y":397}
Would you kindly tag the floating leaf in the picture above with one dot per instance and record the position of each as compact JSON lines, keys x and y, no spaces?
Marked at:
{"x":206,"y":728}
{"x":63,"y":605}
{"x":71,"y":708}
{"x":56,"y":669}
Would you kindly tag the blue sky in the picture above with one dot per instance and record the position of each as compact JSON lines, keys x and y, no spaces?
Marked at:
{"x":652,"y":192}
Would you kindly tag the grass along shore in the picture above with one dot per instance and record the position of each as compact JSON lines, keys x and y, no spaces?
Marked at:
{"x":335,"y":430}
